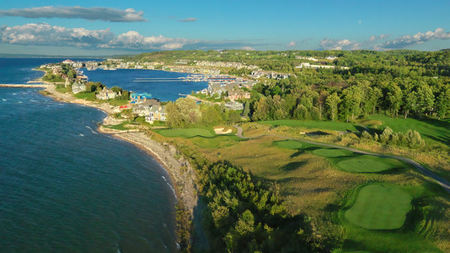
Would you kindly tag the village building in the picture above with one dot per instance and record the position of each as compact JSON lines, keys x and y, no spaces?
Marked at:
{"x":234,"y":105}
{"x":106,"y":94}
{"x":238,"y":94}
{"x":157,"y":113}
{"x":67,"y":83}
{"x":78,"y":87}
{"x":144,"y":108}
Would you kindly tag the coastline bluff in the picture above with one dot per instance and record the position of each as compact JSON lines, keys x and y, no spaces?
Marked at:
{"x":180,"y":170}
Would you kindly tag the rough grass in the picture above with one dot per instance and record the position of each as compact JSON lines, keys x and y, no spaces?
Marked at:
{"x":368,"y":164}
{"x":380,"y":207}
{"x":86,"y":95}
{"x":437,"y":130}
{"x":186,"y":132}
{"x":332,"y":152}
{"x":313,"y":124}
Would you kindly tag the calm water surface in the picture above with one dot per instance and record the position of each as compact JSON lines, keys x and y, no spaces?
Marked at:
{"x":165,"y":89}
{"x":64,"y":187}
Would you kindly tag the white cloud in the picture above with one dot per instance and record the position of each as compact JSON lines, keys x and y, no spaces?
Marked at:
{"x":345,"y":44}
{"x":49,"y":35}
{"x":292,"y":44}
{"x":248,"y":48}
{"x":45,"y":34}
{"x":187,"y":20}
{"x":97,"y":13}
{"x":418,"y":38}
{"x":381,"y":42}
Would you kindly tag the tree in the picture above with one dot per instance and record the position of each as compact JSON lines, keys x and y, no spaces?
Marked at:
{"x":410,"y":103}
{"x":351,"y":102}
{"x":425,"y":98}
{"x":443,"y":103}
{"x":332,"y":103}
{"x":394,"y":98}
{"x":261,"y":109}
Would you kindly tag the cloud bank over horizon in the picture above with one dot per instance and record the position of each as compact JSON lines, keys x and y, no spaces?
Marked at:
{"x":49,"y":35}
{"x":95,"y":13}
{"x":43,"y":34}
{"x":381,"y":42}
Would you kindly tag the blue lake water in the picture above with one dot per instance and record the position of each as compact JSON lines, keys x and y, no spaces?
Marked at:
{"x":165,"y":89}
{"x":64,"y":187}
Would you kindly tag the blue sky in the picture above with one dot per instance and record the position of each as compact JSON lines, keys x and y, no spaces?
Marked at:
{"x":26,"y":27}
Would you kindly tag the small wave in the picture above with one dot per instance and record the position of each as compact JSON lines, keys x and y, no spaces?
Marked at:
{"x":20,"y":102}
{"x":4,"y":99}
{"x":14,"y":94}
{"x":170,"y":186}
{"x":81,"y":134}
{"x":92,"y":131}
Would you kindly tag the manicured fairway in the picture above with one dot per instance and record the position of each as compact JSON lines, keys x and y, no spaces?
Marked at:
{"x":331,"y":152}
{"x":186,"y":132}
{"x":380,"y":207}
{"x":368,"y":164}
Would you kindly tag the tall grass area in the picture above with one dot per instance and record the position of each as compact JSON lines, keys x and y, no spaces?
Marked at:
{"x":436,"y":130}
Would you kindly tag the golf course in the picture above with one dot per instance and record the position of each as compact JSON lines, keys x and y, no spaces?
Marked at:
{"x":372,"y":196}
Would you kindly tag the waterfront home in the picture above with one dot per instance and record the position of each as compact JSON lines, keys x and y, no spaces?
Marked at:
{"x":106,"y":94}
{"x":238,"y":94}
{"x":144,"y":108}
{"x":78,"y":87}
{"x":67,"y":83}
{"x":137,"y":98}
{"x":156,"y":113}
{"x":234,"y":105}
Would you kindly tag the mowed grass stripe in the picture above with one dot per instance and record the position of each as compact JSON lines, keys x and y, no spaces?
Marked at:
{"x":368,"y":164}
{"x":380,"y":207}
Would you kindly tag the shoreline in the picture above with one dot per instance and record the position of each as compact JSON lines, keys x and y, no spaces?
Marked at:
{"x":181,"y":173}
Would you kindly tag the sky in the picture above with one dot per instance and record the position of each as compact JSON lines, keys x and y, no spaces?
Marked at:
{"x":90,"y":27}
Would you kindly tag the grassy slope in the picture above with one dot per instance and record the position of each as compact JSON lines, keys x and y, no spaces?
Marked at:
{"x":437,"y":130}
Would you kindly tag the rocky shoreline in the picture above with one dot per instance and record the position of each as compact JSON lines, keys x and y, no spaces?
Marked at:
{"x":182,"y":174}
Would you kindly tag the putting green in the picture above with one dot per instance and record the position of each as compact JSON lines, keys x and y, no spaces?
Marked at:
{"x":328,"y":152}
{"x":367,"y":164}
{"x":380,"y":207}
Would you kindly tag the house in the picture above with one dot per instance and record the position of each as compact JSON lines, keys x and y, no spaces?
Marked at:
{"x":233,"y":105}
{"x":106,"y":94}
{"x":238,"y":94}
{"x":144,"y":108}
{"x":78,"y":87}
{"x":137,"y":98}
{"x":67,"y":83}
{"x":157,"y":113}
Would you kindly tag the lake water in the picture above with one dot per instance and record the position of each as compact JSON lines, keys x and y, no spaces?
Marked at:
{"x":161,"y":84}
{"x":64,"y":187}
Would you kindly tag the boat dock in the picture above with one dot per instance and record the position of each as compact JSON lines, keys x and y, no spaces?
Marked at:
{"x":15,"y":85}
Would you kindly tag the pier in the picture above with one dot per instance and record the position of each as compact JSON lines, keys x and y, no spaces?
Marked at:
{"x":15,"y":85}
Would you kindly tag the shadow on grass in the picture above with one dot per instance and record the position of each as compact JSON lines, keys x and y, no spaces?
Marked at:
{"x":292,"y":166}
